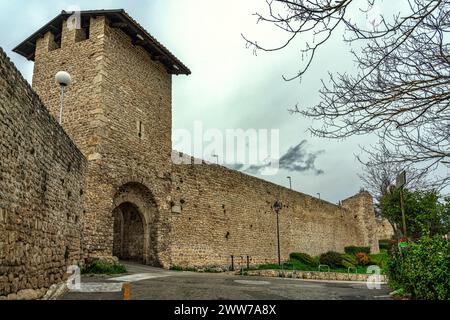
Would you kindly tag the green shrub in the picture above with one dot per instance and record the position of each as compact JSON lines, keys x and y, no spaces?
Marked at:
{"x":176,"y":268}
{"x":395,"y":273}
{"x":304,"y":258}
{"x":348,"y":260}
{"x":354,"y":250}
{"x":386,"y":244}
{"x":98,"y":267}
{"x":269,"y":267}
{"x":379,"y":259}
{"x":362,"y":259}
{"x":331,"y":258}
{"x":423,"y":269}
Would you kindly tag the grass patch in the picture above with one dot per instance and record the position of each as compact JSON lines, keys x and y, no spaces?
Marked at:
{"x":299,"y":266}
{"x":98,"y":267}
{"x":178,"y":268}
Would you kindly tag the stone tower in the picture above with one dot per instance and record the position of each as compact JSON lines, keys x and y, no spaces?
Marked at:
{"x":118,"y":113}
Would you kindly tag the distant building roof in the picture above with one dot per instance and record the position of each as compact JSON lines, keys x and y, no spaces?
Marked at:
{"x":117,"y":19}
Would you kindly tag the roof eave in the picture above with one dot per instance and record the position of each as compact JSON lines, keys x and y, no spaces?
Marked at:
{"x":27,"y":48}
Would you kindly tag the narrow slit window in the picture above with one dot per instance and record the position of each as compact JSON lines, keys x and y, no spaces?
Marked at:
{"x":140,"y":133}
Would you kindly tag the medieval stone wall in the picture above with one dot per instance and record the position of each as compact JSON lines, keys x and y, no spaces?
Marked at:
{"x":362,"y":207}
{"x":384,"y":229}
{"x":84,"y":114}
{"x":137,"y":93}
{"x":224,"y":213}
{"x":41,"y":191}
{"x":119,"y":114}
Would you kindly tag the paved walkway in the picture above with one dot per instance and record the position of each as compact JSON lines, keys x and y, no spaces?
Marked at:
{"x":150,"y":283}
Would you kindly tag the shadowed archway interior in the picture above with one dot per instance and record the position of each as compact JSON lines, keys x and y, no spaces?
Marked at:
{"x":135,"y":224}
{"x":128,"y":233}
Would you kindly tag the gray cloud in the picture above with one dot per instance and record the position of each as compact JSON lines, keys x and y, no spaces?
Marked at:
{"x":235,"y":166}
{"x":296,"y":159}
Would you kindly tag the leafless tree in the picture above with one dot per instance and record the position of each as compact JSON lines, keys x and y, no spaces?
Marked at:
{"x":401,"y":91}
{"x":379,"y":173}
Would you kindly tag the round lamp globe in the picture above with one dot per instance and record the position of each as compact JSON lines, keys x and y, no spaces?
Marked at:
{"x":63,"y":78}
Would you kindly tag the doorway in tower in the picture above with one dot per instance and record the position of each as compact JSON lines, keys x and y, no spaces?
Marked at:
{"x":129,"y":233}
{"x":136,"y":221}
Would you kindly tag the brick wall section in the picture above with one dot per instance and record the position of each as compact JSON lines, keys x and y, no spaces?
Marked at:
{"x":41,"y":190}
{"x":226,"y":213}
{"x":118,"y":91}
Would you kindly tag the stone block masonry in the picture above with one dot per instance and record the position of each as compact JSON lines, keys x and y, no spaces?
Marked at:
{"x":119,"y":194}
{"x":225,"y":213}
{"x":41,"y":191}
{"x":385,"y":229}
{"x":119,"y":114}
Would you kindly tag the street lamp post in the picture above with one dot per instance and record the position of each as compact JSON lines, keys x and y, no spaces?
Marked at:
{"x":290,"y":182}
{"x":277,"y":207}
{"x":63,"y":79}
{"x":217,"y":158}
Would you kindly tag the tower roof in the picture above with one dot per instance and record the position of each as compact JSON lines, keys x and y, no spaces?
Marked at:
{"x":117,"y":19}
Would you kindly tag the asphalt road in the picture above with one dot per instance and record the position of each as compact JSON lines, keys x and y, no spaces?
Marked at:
{"x":149,"y":283}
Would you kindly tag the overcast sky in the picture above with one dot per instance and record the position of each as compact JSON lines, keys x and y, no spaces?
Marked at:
{"x":229,"y":87}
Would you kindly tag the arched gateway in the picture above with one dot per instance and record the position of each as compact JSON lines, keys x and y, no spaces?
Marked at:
{"x":135,"y":217}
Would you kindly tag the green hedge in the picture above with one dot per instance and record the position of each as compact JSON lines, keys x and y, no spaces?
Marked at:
{"x":380,"y":259}
{"x":423,"y":269}
{"x":354,"y":250}
{"x":348,"y":260}
{"x":304,"y":258}
{"x":98,"y":267}
{"x":331,"y":258}
{"x":386,"y":244}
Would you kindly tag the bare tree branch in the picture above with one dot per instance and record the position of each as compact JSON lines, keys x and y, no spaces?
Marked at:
{"x":401,"y":91}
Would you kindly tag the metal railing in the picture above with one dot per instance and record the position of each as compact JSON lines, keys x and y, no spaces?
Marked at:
{"x":350,"y":268}
{"x":324,"y":265}
{"x":241,"y":265}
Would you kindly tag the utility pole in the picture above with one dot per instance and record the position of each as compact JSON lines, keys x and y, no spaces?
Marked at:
{"x":402,"y":207}
{"x":400,"y":184}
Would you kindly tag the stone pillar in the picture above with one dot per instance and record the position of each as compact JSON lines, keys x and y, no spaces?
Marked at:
{"x":45,"y":45}
{"x":70,"y":34}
